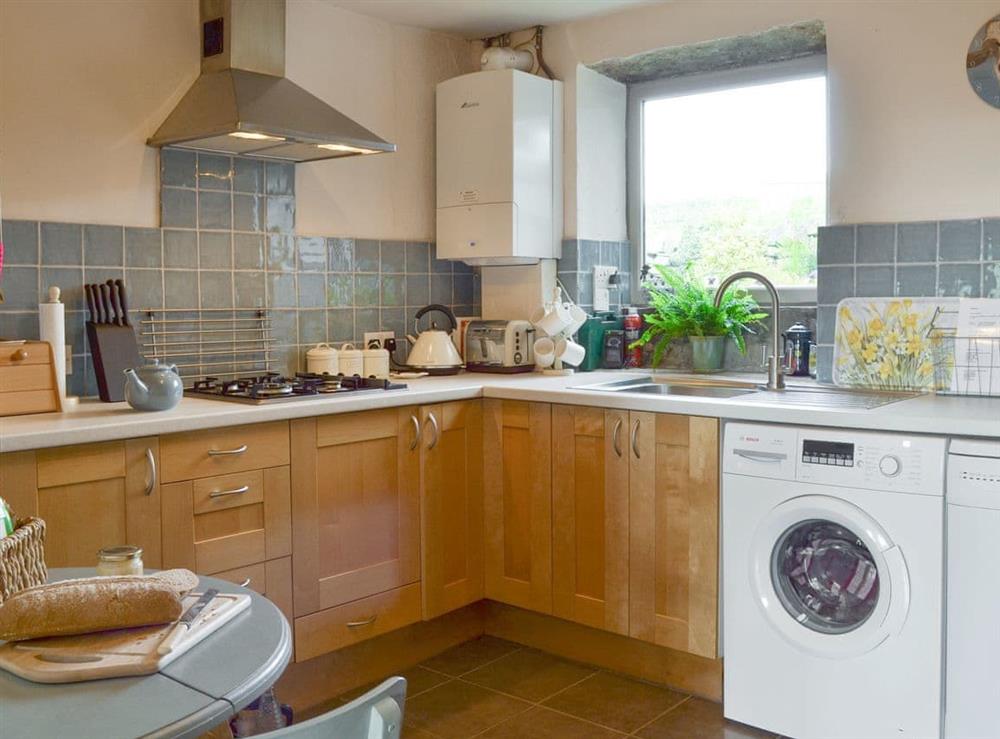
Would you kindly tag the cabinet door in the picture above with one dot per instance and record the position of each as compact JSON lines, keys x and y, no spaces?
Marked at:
{"x":91,"y":496}
{"x":674,"y":531}
{"x":451,"y":503}
{"x":517,"y":485}
{"x":590,"y":516}
{"x":355,"y":507}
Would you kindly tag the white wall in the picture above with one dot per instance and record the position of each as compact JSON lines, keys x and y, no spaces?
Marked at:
{"x":84,"y":84}
{"x":908,"y":137}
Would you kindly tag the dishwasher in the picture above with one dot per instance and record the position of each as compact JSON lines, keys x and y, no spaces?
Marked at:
{"x":972,"y":682}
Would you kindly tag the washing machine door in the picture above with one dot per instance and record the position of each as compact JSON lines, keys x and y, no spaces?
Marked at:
{"x":827,"y":577}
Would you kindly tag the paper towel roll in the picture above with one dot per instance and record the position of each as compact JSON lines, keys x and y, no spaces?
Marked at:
{"x":52,"y":328}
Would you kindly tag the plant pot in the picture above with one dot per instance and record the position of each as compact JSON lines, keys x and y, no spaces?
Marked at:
{"x":707,"y":352}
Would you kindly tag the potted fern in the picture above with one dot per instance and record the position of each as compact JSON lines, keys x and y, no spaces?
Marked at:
{"x":685,"y":308}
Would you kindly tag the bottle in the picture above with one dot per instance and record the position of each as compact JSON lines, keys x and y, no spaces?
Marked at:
{"x":269,"y":715}
{"x":633,"y":330}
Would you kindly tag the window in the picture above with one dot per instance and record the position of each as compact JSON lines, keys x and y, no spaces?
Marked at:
{"x":728,"y":171}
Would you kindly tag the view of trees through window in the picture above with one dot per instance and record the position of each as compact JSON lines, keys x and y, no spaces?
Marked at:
{"x":735,"y":179}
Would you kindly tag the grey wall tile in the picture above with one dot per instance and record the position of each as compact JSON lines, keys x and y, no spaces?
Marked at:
{"x":960,"y":280}
{"x":143,"y":247}
{"x":93,"y":275}
{"x":392,"y":319}
{"x":916,"y":281}
{"x":826,"y":324}
{"x":281,"y":292}
{"x":284,"y":326}
{"x":280,"y":178}
{"x":441,"y":289}
{"x":585,"y":288}
{"x":280,"y":214}
{"x":393,"y":290}
{"x":312,"y":253}
{"x":248,"y":251}
{"x":991,"y":240}
{"x":145,"y":288}
{"x":180,"y":288}
{"x":215,"y":210}
{"x":366,"y":255}
{"x":833,"y":284}
{"x":365,"y":319}
{"x":249,"y":290}
{"x":180,"y":248}
{"x":961,"y":241}
{"x":568,"y":262}
{"x":215,"y":250}
{"x":917,"y":242}
{"x":340,"y":324}
{"x":824,"y":364}
{"x":18,"y":325}
{"x":20,"y":240}
{"x":340,"y":290}
{"x":177,"y":168}
{"x":418,"y":290}
{"x":248,"y":175}
{"x":464,"y":289}
{"x":312,"y":326}
{"x":588,"y":254}
{"x":418,"y":257}
{"x":875,"y":281}
{"x":991,"y":280}
{"x":247,"y":214}
{"x":215,"y":172}
{"x":610,"y":253}
{"x":393,"y":257}
{"x":876,"y":243}
{"x":216,"y":289}
{"x":570,"y":282}
{"x":76,"y":331}
{"x":70,"y":282}
{"x":340,"y":255}
{"x":280,"y":253}
{"x":366,"y":290}
{"x":178,"y":208}
{"x":103,"y":245}
{"x":312,"y":290}
{"x":62,"y":243}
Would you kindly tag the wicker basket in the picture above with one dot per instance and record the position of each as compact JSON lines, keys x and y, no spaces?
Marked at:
{"x":22,"y":557}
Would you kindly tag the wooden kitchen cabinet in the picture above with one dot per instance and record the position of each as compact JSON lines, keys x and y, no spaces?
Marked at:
{"x":355,"y":497}
{"x":517,"y":490}
{"x":451,"y":499}
{"x":673,"y":531}
{"x":590,"y":516}
{"x":90,"y":496}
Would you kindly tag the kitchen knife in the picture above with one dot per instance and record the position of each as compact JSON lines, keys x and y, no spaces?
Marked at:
{"x":115,"y":303}
{"x":106,"y":302}
{"x":91,"y":305}
{"x":183,"y":624}
{"x":123,"y":302}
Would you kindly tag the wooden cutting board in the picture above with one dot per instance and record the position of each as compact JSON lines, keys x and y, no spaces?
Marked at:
{"x":124,"y":652}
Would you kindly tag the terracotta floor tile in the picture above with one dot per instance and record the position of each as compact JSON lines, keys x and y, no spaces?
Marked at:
{"x":457,"y":710}
{"x":418,"y":680}
{"x":615,"y":702}
{"x":541,"y":723}
{"x":529,"y":674}
{"x":471,"y":654}
{"x":699,"y":719}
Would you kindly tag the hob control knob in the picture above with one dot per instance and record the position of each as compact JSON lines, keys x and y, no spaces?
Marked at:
{"x":889,"y":465}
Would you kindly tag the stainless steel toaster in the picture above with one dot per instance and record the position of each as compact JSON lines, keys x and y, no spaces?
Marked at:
{"x":499,"y":346}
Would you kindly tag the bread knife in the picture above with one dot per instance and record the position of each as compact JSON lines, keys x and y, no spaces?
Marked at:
{"x":183,"y":624}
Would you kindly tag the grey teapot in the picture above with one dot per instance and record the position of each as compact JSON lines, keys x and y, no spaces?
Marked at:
{"x":154,"y":387}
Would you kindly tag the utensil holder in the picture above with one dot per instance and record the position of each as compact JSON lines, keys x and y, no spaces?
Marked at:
{"x":22,"y":557}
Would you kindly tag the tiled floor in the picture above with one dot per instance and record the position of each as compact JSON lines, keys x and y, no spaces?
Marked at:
{"x":494,"y":689}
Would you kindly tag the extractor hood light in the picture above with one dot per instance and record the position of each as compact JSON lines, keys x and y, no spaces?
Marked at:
{"x":346,"y":148}
{"x":255,"y":136}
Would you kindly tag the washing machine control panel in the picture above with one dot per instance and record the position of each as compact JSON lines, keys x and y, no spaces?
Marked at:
{"x":836,"y":453}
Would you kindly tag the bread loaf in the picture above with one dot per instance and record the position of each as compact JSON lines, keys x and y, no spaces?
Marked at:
{"x":94,"y":604}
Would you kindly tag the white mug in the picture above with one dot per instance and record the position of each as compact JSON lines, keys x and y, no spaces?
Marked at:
{"x":570,"y":352}
{"x":545,"y":351}
{"x":556,"y":318}
{"x":578,"y":316}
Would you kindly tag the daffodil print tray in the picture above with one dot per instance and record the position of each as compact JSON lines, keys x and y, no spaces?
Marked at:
{"x":887,"y":343}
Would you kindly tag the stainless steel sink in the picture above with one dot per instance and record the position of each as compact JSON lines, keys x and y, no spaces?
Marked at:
{"x":708,"y":388}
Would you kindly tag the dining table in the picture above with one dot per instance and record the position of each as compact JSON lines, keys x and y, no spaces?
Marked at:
{"x":199,"y":690}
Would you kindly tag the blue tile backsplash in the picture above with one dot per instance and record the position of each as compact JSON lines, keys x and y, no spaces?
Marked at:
{"x":227,"y":239}
{"x":959,"y":258}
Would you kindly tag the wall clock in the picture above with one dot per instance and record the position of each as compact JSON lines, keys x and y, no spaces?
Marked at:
{"x":983,"y":62}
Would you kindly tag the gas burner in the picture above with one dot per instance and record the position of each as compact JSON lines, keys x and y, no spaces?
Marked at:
{"x":273,"y":387}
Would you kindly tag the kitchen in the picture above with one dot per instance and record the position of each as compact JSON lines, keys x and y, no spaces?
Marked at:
{"x":540,"y":553}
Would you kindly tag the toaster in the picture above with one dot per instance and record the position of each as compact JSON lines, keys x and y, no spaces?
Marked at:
{"x":499,"y":346}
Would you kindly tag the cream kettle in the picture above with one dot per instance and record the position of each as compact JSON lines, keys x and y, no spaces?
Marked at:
{"x":432,"y":349}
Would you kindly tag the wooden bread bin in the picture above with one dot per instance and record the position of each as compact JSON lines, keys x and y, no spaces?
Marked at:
{"x":27,"y":379}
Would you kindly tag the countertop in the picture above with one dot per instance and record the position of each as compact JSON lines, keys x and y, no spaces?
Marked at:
{"x":92,"y":420}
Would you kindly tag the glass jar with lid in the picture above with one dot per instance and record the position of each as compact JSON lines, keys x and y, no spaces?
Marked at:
{"x":120,"y":560}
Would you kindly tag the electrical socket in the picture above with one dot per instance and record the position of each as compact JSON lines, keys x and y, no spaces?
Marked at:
{"x":602,"y":286}
{"x":379,"y":336}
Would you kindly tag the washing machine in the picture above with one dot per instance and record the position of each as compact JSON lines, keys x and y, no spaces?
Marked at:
{"x":832,"y":581}
{"x":973,"y":595}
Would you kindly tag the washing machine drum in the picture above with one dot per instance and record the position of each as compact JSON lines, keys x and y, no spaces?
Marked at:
{"x":824,"y":576}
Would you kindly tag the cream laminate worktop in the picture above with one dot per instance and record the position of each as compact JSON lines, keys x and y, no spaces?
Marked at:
{"x":93,"y":421}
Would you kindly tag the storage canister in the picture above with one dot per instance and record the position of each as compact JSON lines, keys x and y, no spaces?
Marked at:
{"x":321,"y":359}
{"x":352,"y":361}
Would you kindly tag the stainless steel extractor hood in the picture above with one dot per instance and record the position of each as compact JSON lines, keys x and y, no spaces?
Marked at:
{"x":243,"y":104}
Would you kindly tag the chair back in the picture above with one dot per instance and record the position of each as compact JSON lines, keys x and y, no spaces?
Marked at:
{"x":378,"y":714}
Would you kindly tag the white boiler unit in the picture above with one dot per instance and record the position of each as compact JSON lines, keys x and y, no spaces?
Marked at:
{"x":499,"y":168}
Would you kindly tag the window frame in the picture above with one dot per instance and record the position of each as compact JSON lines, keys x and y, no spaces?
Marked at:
{"x":638,"y":93}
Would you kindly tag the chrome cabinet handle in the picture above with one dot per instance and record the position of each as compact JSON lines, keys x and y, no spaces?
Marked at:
{"x":365,"y":622}
{"x":416,"y":432}
{"x":151,"y":465}
{"x":635,"y":439}
{"x":437,"y":430}
{"x":245,"y":583}
{"x":227,"y":452}
{"x":235,"y":491}
{"x":616,"y":440}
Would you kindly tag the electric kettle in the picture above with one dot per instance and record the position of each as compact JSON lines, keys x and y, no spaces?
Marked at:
{"x":432,"y":349}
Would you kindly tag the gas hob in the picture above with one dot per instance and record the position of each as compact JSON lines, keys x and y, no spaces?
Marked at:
{"x":274,"y":388}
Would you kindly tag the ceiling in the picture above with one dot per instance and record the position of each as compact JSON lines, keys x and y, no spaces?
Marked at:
{"x":479,"y":18}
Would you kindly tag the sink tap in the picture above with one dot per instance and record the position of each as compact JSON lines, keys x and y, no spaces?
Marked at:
{"x":775,"y":375}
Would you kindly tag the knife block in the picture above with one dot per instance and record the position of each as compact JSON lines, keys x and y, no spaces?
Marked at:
{"x":28,"y":379}
{"x":113,"y":349}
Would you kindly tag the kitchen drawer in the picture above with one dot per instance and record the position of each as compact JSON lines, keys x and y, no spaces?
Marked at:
{"x":335,"y":628}
{"x":207,"y":534}
{"x":28,"y":353}
{"x":222,"y":451}
{"x":271,"y":579}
